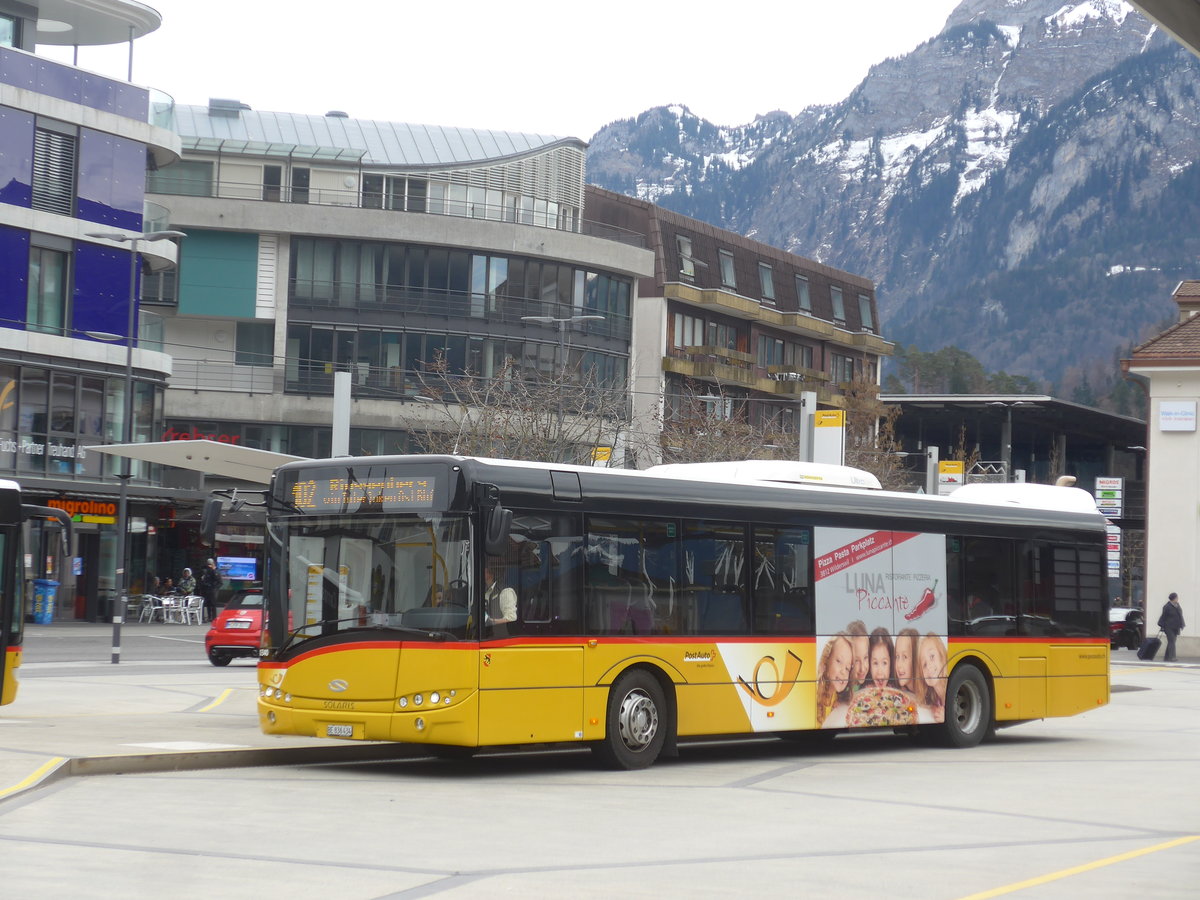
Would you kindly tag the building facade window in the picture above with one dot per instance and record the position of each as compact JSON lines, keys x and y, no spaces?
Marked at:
{"x":722,"y":335}
{"x":773,"y":351}
{"x":187,"y":178}
{"x":410,"y":278}
{"x":254,"y":344}
{"x":687,"y":265}
{"x":301,"y":177}
{"x":689,"y":331}
{"x":864,"y":312}
{"x":766,"y":282}
{"x":10,"y":34}
{"x":53,"y":418}
{"x":841,"y":368}
{"x":839,"y":306}
{"x":803,"y":297}
{"x":46,"y":306}
{"x":159,"y":287}
{"x":728,"y":275}
{"x":404,"y":194}
{"x":301,"y":440}
{"x":55,"y":151}
{"x":396,"y":363}
{"x":273,"y":183}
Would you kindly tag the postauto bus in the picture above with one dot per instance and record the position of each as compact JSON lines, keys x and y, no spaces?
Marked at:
{"x":13,"y":514}
{"x":462,"y":603}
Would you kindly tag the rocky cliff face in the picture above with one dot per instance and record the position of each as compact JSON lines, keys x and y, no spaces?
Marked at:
{"x":1022,"y":185}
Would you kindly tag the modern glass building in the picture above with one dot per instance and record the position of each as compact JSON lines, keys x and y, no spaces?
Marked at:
{"x":320,"y":244}
{"x":74,"y":149}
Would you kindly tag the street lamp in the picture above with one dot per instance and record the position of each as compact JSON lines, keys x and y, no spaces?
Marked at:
{"x":563,"y":324}
{"x":121,"y":582}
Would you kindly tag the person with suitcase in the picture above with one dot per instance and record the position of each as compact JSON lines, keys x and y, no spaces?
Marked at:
{"x":1171,"y":623}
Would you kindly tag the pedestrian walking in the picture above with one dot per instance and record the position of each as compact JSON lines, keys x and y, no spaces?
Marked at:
{"x":1171,"y":623}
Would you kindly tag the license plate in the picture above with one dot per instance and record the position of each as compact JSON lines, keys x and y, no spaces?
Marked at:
{"x":339,"y":731}
{"x":238,"y":624}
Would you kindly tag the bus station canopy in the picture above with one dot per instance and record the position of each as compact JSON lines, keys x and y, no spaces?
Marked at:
{"x":210,"y":457}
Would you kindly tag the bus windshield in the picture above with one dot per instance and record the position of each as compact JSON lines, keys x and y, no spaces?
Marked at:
{"x":407,"y":573}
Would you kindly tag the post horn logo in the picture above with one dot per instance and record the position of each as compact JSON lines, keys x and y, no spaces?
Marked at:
{"x":779,"y":687}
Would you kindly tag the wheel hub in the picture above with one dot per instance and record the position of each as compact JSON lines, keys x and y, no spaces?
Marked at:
{"x":638,"y":720}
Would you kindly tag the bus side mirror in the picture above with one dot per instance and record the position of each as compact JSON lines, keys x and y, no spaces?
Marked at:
{"x":210,"y":518}
{"x":496,"y":528}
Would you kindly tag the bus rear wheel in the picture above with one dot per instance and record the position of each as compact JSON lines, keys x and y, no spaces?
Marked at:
{"x":968,"y":708}
{"x":635,"y":726}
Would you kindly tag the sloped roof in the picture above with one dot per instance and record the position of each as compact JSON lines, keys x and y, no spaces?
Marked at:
{"x":241,"y":130}
{"x":1179,"y":342}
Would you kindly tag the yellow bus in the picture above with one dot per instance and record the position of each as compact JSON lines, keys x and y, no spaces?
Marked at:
{"x":462,"y":603}
{"x":13,"y":600}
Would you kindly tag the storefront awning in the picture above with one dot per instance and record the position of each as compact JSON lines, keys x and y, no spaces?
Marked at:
{"x":210,"y":457}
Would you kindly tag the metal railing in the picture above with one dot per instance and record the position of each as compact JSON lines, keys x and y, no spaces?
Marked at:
{"x":450,"y":305}
{"x":167,"y":182}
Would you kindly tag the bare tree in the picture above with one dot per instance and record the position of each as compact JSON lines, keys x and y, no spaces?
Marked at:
{"x":871,"y":442}
{"x":568,"y":416}
{"x":713,"y":426}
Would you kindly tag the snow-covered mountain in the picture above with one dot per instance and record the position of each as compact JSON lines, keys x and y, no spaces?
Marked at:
{"x":1022,"y":185}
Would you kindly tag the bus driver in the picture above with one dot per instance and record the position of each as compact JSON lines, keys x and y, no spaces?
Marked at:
{"x":501,"y":602}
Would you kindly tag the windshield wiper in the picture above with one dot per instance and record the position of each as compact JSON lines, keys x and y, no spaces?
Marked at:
{"x":302,"y":632}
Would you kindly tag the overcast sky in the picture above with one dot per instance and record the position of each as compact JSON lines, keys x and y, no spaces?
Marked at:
{"x":537,"y":66}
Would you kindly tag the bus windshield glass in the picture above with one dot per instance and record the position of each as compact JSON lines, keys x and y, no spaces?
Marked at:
{"x":408,"y":573}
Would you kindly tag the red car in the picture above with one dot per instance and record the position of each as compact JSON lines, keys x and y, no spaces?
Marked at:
{"x":237,"y":629}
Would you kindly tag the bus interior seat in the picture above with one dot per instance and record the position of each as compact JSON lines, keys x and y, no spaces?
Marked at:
{"x":721,"y":613}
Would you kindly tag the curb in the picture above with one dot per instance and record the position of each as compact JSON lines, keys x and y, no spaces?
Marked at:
{"x":60,"y":767}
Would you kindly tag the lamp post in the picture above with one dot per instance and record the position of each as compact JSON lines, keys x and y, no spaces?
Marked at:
{"x":563,"y":324}
{"x":121,"y":581}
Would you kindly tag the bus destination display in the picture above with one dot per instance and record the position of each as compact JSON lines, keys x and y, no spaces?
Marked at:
{"x":346,"y":492}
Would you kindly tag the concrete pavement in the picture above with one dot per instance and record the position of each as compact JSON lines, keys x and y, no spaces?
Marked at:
{"x":162,"y":708}
{"x":163,"y":712}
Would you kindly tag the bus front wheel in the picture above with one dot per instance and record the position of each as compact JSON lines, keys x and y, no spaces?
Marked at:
{"x":968,"y":708}
{"x":635,"y":727}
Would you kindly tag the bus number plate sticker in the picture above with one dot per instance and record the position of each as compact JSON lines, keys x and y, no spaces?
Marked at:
{"x":339,"y":731}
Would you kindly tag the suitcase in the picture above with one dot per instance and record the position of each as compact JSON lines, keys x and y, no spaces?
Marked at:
{"x":1150,"y":647}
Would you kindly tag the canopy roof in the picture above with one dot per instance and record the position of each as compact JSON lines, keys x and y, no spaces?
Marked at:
{"x":210,"y":457}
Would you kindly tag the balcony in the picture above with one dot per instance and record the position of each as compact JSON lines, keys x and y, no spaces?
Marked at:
{"x":711,"y":369}
{"x":189,"y":184}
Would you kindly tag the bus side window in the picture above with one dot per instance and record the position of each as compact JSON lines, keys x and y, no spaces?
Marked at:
{"x":547,"y":551}
{"x":781,"y":581}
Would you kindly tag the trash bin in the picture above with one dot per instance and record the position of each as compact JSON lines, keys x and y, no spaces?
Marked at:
{"x":44,"y":592}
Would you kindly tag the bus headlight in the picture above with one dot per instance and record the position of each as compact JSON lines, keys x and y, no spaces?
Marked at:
{"x":402,"y":703}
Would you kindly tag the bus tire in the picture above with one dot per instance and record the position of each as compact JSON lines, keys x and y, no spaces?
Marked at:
{"x":635,"y":724}
{"x":968,"y":708}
